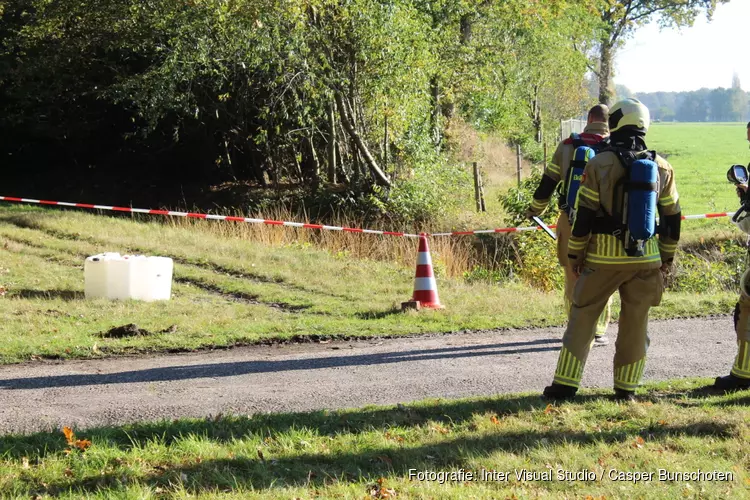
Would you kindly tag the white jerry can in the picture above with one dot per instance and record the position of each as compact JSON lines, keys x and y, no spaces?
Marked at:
{"x":96,"y":275}
{"x":137,"y":277}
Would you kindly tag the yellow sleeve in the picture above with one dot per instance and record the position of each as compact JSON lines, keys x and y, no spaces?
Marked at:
{"x":587,"y":202}
{"x":669,"y":205}
{"x":547,"y":187}
{"x":553,"y":169}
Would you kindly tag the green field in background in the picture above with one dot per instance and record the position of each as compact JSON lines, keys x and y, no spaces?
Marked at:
{"x":701,"y":154}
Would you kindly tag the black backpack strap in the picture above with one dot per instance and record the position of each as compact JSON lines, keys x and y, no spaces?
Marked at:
{"x":615,"y":224}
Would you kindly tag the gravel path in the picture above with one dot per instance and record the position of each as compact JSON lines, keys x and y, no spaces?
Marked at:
{"x":47,"y":395}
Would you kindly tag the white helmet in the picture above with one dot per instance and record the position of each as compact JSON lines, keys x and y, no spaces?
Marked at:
{"x":629,"y":112}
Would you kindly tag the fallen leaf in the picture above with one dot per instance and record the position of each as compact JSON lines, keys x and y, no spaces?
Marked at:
{"x":68,"y":473}
{"x":385,"y":460}
{"x":260,"y":455}
{"x":639,"y":442}
{"x":662,"y":422}
{"x":68,"y":433}
{"x":551,"y":409}
{"x":380,"y":491}
{"x":390,"y":436}
{"x":3,"y":291}
{"x":495,"y":420}
{"x":82,"y":444}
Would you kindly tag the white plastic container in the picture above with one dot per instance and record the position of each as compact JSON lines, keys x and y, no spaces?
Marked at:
{"x":151,"y":278}
{"x":137,"y":277}
{"x":96,"y":274}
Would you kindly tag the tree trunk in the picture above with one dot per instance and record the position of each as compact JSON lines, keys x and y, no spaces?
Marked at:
{"x":466,"y":28}
{"x":536,"y":115}
{"x":385,"y":142}
{"x":332,"y":143}
{"x":606,"y":93}
{"x":360,"y":145}
{"x":311,"y":163}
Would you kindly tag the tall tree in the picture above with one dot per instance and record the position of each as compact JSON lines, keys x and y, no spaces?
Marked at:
{"x":621,"y":18}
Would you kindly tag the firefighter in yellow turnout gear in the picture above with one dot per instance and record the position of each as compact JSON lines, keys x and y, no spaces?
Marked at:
{"x":598,"y":255}
{"x":739,"y":376}
{"x":555,"y":173}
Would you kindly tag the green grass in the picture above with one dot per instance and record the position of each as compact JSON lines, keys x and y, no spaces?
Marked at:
{"x":701,"y":154}
{"x":343,"y":454}
{"x":231,"y":291}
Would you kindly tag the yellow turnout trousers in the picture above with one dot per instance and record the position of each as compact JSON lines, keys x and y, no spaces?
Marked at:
{"x":741,"y":367}
{"x":563,"y":235}
{"x":639,"y":291}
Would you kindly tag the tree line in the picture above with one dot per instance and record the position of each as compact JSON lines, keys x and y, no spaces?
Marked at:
{"x":307,"y":92}
{"x":703,"y":105}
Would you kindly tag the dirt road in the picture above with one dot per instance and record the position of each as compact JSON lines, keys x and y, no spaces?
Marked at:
{"x":48,"y":395}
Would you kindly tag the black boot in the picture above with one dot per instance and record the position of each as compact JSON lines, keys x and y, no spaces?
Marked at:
{"x":731,"y":383}
{"x":623,"y":395}
{"x":559,"y":392}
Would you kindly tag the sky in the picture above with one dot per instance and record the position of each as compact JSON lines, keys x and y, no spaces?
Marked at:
{"x":705,"y":55}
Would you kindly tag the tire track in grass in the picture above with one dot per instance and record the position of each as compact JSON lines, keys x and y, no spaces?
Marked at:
{"x":23,"y":223}
{"x":46,"y":252}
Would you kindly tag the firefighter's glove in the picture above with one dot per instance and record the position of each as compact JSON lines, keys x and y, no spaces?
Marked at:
{"x":667,"y":266}
{"x":576,"y":265}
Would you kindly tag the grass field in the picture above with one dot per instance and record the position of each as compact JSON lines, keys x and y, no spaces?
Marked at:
{"x":368,"y":453}
{"x":229,"y":290}
{"x":701,"y":154}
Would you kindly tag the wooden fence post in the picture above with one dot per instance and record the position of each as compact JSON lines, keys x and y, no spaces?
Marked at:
{"x":476,"y":186}
{"x":518,"y":163}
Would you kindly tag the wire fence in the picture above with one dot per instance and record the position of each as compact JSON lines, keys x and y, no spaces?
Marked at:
{"x":568,"y":127}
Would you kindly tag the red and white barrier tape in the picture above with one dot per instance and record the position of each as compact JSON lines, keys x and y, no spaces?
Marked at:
{"x":192,"y":215}
{"x":322,"y":227}
{"x":537,"y":228}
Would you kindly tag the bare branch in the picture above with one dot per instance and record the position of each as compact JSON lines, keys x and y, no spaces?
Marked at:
{"x":346,"y":111}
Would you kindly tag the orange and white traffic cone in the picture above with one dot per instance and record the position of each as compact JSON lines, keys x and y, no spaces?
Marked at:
{"x":425,"y":287}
